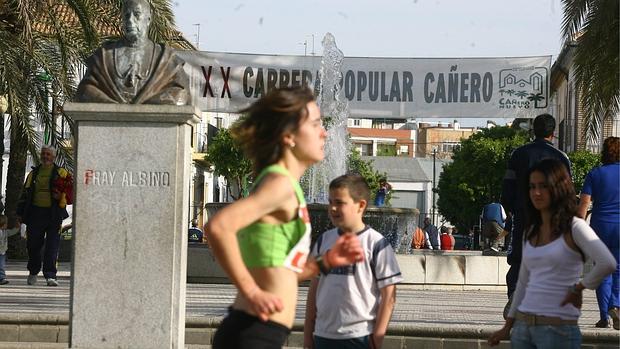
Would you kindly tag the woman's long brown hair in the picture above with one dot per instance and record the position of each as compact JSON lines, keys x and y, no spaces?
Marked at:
{"x":563,"y":199}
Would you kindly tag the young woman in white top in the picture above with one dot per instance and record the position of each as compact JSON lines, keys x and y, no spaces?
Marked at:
{"x":548,"y":298}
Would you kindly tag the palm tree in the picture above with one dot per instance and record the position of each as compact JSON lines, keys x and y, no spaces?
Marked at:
{"x":594,"y":25}
{"x":521,"y":94}
{"x":536,"y":98}
{"x":43,"y":46}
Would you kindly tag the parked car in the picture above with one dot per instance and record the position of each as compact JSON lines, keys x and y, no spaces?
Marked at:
{"x":66,"y":243}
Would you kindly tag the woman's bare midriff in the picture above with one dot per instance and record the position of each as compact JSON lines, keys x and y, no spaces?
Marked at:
{"x":279,"y":281}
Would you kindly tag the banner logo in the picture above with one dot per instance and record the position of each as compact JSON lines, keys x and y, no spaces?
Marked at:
{"x":523,"y":88}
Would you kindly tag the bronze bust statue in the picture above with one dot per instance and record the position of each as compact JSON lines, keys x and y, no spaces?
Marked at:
{"x":134,"y":69}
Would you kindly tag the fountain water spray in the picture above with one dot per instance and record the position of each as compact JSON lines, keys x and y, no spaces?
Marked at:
{"x":335,"y":112}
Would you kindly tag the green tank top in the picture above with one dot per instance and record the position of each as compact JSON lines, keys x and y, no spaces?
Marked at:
{"x":275,"y":245}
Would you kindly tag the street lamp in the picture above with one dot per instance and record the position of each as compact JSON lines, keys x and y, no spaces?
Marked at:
{"x":4,"y":106}
{"x":197,"y":25}
{"x":312,"y":53}
{"x":434,"y":181}
{"x":305,"y":43}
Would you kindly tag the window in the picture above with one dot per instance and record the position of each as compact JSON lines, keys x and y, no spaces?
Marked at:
{"x":403,"y":150}
{"x":219,"y":122}
{"x":357,"y":122}
{"x":386,"y":150}
{"x":366,"y":149}
{"x":450,"y":147}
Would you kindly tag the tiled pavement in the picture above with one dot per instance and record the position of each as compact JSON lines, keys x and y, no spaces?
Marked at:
{"x":424,"y":308}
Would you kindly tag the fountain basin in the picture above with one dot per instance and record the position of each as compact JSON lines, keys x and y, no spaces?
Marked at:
{"x":396,"y":224}
{"x":424,"y":269}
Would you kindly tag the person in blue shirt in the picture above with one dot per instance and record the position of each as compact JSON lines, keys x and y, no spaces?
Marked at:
{"x":195,"y":234}
{"x":384,"y":189}
{"x":493,"y":223}
{"x":601,"y":188}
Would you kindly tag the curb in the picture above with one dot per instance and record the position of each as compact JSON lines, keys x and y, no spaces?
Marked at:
{"x":203,"y":327}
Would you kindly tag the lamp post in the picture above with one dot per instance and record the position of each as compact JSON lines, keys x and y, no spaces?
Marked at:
{"x":305,"y":43}
{"x":434,"y":179}
{"x":197,"y":25}
{"x":312,"y":53}
{"x":4,"y":106}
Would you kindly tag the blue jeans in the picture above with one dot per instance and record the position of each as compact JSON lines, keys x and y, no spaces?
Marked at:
{"x":351,"y":343}
{"x":545,"y":336}
{"x":2,"y":264}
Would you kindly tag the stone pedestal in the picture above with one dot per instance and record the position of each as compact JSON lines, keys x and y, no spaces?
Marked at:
{"x":130,"y":223}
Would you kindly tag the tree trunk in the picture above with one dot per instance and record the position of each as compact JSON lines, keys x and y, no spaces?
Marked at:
{"x":14,"y":183}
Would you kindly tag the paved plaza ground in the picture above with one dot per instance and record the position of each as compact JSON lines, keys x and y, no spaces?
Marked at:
{"x":422,"y":308}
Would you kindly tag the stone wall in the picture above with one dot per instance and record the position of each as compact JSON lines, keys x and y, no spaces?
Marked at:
{"x":424,"y":269}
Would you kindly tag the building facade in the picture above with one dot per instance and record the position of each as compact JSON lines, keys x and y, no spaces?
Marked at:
{"x":565,"y":105}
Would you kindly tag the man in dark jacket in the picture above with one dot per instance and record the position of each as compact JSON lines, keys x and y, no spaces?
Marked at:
{"x":432,"y":233}
{"x":42,"y":207}
{"x":514,"y":194}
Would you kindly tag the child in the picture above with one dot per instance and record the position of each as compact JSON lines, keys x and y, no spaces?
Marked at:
{"x":263,"y":240}
{"x":350,"y":306}
{"x":447,"y":240}
{"x":384,"y":189}
{"x":4,"y":234}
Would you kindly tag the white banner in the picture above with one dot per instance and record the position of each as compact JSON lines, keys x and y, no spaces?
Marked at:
{"x":506,"y":87}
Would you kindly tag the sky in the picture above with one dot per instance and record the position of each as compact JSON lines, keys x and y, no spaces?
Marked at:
{"x":364,"y":28}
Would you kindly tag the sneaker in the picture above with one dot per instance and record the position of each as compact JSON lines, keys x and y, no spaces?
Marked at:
{"x":602,"y":324}
{"x":495,"y":249}
{"x":4,"y":281}
{"x":51,"y":282}
{"x":32,"y":279}
{"x":613,"y":312}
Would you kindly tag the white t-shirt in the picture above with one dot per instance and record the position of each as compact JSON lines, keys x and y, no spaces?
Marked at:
{"x":548,"y":271}
{"x":347,"y":298}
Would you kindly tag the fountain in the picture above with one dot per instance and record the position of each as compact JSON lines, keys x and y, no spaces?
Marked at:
{"x":335,"y":112}
{"x":395,"y":224}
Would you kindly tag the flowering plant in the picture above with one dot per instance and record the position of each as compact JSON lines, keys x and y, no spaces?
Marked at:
{"x":63,"y":186}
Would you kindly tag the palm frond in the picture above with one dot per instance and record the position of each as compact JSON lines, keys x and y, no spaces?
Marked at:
{"x":53,"y":38}
{"x":574,"y":13}
{"x":596,"y":63}
{"x":85,"y":12}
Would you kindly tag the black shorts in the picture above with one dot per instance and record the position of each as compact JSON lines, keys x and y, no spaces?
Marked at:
{"x":240,"y":330}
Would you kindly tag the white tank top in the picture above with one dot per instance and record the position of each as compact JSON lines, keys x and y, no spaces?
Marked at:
{"x":553,"y":268}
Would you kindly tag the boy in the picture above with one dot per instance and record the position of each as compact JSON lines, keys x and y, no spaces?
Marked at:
{"x":4,"y":234}
{"x":350,"y":307}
